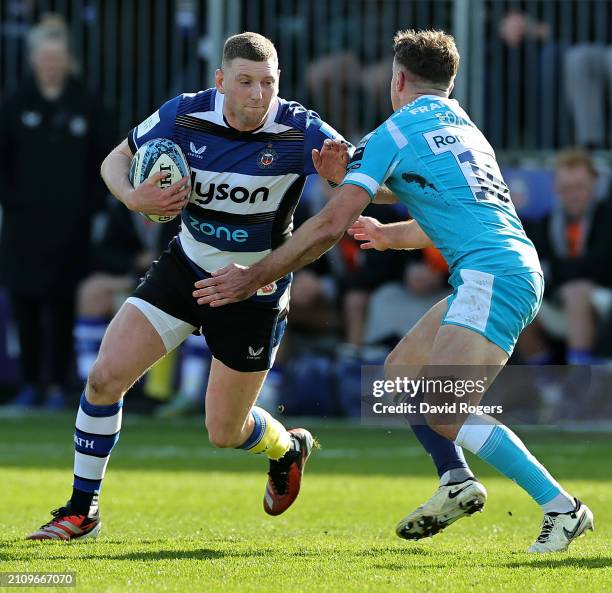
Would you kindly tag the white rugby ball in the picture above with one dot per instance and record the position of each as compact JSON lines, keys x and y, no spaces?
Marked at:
{"x":155,"y":156}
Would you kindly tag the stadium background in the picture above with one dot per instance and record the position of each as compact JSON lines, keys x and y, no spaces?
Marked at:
{"x":335,"y":58}
{"x":513,"y":81}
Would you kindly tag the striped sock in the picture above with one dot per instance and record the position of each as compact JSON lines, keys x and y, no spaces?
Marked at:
{"x":500,"y":447}
{"x":269,"y":436}
{"x":97,"y":431}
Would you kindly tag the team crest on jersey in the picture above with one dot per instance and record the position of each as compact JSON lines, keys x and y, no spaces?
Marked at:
{"x":266,"y":157}
{"x":266,"y":290}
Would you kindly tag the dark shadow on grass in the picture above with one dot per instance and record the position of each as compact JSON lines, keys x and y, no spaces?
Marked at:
{"x":198,"y":554}
{"x":539,"y":563}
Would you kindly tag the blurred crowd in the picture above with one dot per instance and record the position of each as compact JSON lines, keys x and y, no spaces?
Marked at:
{"x":70,"y":254}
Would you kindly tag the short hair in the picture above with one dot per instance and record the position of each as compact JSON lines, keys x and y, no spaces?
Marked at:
{"x":575,"y":157}
{"x":51,"y":27}
{"x":429,"y":54}
{"x":249,"y":46}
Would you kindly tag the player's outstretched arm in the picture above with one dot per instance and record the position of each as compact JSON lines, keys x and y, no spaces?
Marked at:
{"x":148,"y":197}
{"x":396,"y":235}
{"x":318,"y":234}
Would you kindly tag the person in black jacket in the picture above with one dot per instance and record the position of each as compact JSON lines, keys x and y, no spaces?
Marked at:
{"x":53,"y":137}
{"x":575,"y":246}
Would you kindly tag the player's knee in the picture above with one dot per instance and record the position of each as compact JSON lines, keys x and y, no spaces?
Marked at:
{"x":104,"y":384}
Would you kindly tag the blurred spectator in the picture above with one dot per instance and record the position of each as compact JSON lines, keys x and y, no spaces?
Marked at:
{"x":517,"y":27}
{"x":575,"y":246}
{"x":53,"y":137}
{"x":377,"y":269}
{"x":349,"y":77}
{"x":329,"y":297}
{"x":588,"y":73}
{"x":528,"y":79}
{"x":316,"y":289}
{"x":333,"y":80}
{"x":396,"y":307}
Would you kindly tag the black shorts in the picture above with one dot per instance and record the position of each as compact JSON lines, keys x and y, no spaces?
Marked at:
{"x":244,"y":336}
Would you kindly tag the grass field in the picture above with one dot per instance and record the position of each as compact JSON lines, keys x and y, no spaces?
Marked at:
{"x":180,"y":516}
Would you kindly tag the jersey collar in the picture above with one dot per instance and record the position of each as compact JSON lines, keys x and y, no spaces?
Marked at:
{"x":220,"y":99}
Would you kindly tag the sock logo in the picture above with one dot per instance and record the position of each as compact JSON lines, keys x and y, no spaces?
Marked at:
{"x":85,"y":443}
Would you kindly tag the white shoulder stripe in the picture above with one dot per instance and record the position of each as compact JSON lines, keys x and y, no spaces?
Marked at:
{"x":211,"y":116}
{"x":273,"y":128}
{"x":399,"y":138}
{"x":363,"y":179}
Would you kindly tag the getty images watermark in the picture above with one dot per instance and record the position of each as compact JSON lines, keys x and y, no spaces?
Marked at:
{"x":429,"y":395}
{"x":515,"y":394}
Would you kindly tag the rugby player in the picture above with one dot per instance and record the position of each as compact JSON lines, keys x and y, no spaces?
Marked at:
{"x":249,"y":152}
{"x":436,"y":161}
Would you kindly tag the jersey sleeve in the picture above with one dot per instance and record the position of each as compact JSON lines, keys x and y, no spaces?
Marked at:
{"x":373,"y":161}
{"x":158,"y":125}
{"x":317,"y":131}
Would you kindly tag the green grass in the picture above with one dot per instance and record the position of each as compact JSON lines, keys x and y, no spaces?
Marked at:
{"x":180,"y":516}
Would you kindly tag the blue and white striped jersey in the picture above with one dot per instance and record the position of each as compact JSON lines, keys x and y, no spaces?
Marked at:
{"x":246,"y":185}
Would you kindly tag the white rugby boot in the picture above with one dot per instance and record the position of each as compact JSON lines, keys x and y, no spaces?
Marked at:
{"x":449,"y":503}
{"x":559,"y":530}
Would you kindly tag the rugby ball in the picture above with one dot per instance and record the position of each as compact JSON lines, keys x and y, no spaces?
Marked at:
{"x":154,"y":156}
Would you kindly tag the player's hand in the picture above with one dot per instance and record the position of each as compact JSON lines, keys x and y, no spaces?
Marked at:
{"x":151,"y":199}
{"x":330,"y":162}
{"x":371,"y":232}
{"x":228,"y":285}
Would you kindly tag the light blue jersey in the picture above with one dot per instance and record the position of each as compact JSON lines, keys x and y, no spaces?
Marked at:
{"x":438,"y":163}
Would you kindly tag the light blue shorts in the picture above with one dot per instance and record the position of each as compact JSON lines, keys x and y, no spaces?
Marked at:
{"x":497,"y":307}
